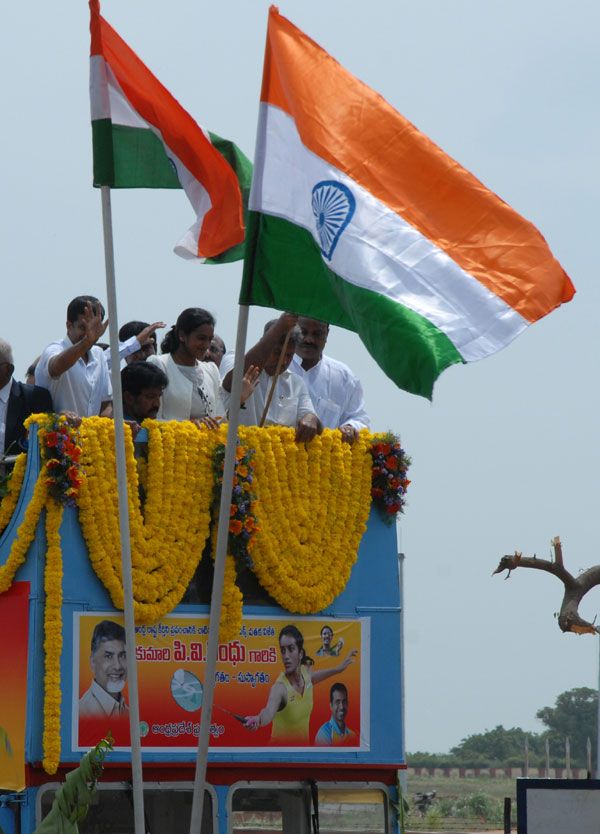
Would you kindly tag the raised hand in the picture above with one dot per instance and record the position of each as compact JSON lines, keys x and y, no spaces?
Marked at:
{"x":93,"y":326}
{"x":145,"y":334}
{"x":249,"y":382}
{"x":350,"y":658}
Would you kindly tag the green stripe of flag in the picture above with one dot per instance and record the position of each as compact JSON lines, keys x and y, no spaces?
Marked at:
{"x":134,"y":157}
{"x":284,"y":269}
{"x":243,"y":170}
{"x":136,"y":154}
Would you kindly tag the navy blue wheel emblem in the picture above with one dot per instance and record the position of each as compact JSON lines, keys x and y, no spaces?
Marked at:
{"x":333,"y":205}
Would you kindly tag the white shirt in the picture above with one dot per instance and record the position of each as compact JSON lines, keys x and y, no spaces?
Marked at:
{"x":335,"y":391}
{"x":291,"y":401}
{"x":177,"y":399}
{"x":83,"y":388}
{"x":96,"y":702}
{"x":4,"y":395}
{"x":126,"y":348}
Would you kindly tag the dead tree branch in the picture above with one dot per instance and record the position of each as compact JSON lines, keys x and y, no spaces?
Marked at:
{"x":575,"y":587}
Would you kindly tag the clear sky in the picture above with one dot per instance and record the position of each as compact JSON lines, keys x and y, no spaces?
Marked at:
{"x":507,"y":455}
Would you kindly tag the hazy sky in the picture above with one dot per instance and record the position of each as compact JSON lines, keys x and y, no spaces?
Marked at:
{"x":507,"y":455}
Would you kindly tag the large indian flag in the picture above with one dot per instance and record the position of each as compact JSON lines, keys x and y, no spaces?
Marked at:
{"x":359,"y":219}
{"x":143,"y":138}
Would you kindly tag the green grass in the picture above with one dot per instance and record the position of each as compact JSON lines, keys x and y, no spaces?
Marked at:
{"x":454,"y":787}
{"x":463,"y":796}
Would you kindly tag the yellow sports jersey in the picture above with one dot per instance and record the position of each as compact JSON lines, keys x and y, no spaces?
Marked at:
{"x":291,"y":723}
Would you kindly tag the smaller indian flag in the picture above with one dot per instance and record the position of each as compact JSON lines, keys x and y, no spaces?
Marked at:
{"x":143,"y":138}
{"x":359,"y":219}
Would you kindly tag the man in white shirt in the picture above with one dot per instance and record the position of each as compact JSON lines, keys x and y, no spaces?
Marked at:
{"x":336,"y":393}
{"x":137,"y":341}
{"x":108,"y":660}
{"x":74,"y":369}
{"x":291,"y":404}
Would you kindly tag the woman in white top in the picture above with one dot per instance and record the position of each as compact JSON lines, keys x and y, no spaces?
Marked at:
{"x":194,"y":385}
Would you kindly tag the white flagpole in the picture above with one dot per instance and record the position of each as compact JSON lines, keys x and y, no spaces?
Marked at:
{"x":132,"y":681}
{"x":219,"y":574}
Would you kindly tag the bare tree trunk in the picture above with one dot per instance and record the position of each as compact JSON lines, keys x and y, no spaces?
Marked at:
{"x":575,"y":588}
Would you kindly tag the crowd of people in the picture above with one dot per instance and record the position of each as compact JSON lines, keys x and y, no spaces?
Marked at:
{"x":288,"y":380}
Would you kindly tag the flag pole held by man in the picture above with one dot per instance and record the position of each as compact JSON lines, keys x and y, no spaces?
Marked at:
{"x":143,"y":138}
{"x":358,"y":219}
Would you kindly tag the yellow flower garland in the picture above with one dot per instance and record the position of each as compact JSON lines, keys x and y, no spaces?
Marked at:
{"x":168,"y":539}
{"x":52,"y":637}
{"x":312,"y":500}
{"x":24,"y":537}
{"x":9,"y":502}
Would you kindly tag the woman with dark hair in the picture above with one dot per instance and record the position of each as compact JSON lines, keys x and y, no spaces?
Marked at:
{"x":290,"y":700}
{"x":193,"y":392}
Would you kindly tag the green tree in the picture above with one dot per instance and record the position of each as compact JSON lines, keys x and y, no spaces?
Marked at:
{"x":495,"y":747}
{"x":575,"y":715}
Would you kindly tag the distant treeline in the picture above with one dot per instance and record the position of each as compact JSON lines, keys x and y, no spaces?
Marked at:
{"x":574,"y":716}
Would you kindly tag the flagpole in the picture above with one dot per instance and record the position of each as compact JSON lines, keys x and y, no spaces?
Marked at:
{"x":132,"y":680}
{"x":216,"y":598}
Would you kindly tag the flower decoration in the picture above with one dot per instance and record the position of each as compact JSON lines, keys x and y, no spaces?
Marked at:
{"x":61,"y":453}
{"x":389,"y":482}
{"x":10,"y":489}
{"x":312,"y":499}
{"x":242,"y":522}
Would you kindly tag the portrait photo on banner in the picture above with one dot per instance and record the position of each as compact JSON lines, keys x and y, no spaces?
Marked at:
{"x":286,"y":682}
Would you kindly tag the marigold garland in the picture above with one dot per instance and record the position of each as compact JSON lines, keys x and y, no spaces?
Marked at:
{"x":13,"y":490}
{"x":168,"y":537}
{"x":52,"y":636}
{"x":313,"y":499}
{"x":24,"y":537}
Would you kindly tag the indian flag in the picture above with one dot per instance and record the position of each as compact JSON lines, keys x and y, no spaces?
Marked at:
{"x":359,"y":219}
{"x":143,"y":138}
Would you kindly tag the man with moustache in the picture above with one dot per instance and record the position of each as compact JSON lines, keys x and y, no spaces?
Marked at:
{"x":142,"y":385}
{"x":336,"y":393}
{"x":108,"y":659}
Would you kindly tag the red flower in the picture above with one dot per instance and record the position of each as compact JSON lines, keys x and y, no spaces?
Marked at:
{"x":405,"y":483}
{"x":51,"y":439}
{"x":392,"y":509}
{"x":73,"y":474}
{"x":392,"y":463}
{"x":235,"y":527}
{"x":376,"y":492}
{"x":395,"y":483}
{"x":385,"y":449}
{"x":52,"y":463}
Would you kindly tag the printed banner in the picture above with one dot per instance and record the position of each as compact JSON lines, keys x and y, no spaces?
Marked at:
{"x":14,"y":623}
{"x":290,"y":684}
